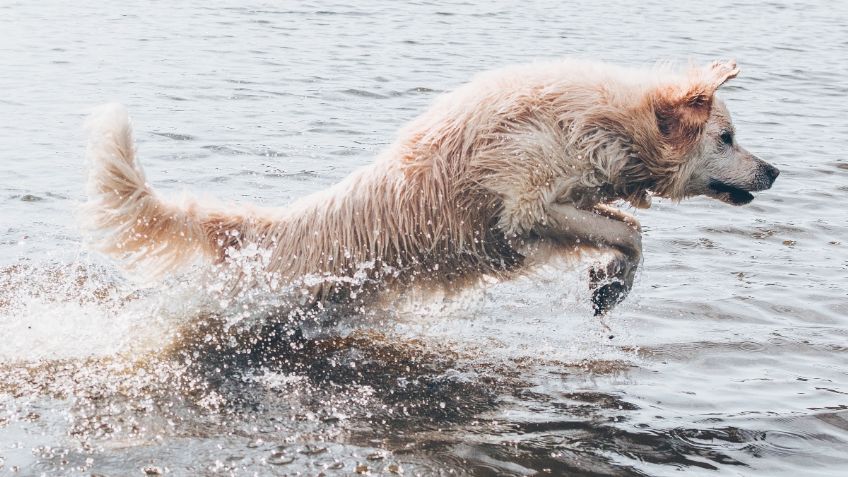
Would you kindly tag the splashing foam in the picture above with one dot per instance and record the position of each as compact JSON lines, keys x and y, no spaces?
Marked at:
{"x":64,"y":311}
{"x":83,"y":310}
{"x":61,"y":311}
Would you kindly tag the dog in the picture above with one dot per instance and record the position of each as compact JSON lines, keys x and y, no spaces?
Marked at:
{"x":515,"y":165}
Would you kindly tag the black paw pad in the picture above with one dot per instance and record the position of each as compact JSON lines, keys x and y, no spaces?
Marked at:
{"x":607,"y":296}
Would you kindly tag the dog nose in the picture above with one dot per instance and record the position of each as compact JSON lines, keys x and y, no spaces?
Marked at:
{"x":772,"y":172}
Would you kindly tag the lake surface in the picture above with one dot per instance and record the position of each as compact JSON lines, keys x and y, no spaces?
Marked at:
{"x":730,"y":357}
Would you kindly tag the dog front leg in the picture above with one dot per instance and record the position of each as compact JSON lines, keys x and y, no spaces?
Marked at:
{"x":603,"y":227}
{"x":616,"y":214}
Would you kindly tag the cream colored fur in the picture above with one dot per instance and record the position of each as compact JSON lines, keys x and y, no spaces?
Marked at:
{"x":517,"y":159}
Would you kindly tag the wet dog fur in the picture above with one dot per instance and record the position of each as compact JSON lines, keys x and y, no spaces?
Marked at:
{"x":517,"y":164}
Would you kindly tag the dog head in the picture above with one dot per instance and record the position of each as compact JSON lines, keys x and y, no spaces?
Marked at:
{"x":700,"y":140}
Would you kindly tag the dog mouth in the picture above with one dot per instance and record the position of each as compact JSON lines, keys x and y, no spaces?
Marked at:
{"x":729,"y":193}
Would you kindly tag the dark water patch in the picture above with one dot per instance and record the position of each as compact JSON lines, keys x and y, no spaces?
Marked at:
{"x":411,"y":383}
{"x":28,"y":198}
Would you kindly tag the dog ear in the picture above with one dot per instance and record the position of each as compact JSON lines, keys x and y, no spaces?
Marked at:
{"x":683,"y":110}
{"x":719,"y":73}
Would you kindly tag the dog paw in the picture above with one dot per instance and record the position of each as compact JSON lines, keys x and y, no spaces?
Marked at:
{"x":607,"y":296}
{"x":607,"y":289}
{"x":610,"y":283}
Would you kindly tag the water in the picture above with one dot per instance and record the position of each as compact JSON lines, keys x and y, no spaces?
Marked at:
{"x":729,"y":358}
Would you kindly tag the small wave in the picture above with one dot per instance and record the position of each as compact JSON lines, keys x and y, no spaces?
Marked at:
{"x":364,"y":93}
{"x":175,"y":136}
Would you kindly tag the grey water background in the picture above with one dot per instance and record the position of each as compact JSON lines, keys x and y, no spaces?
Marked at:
{"x":730,"y":357}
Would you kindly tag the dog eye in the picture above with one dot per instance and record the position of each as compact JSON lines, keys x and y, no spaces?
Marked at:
{"x":726,"y":137}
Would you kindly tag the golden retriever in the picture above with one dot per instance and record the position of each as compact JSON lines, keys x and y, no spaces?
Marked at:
{"x":517,"y":164}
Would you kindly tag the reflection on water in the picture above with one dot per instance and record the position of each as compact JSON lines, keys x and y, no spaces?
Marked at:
{"x":729,"y":357}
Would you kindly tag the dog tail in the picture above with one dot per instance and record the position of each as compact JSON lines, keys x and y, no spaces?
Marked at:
{"x":123,"y":216}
